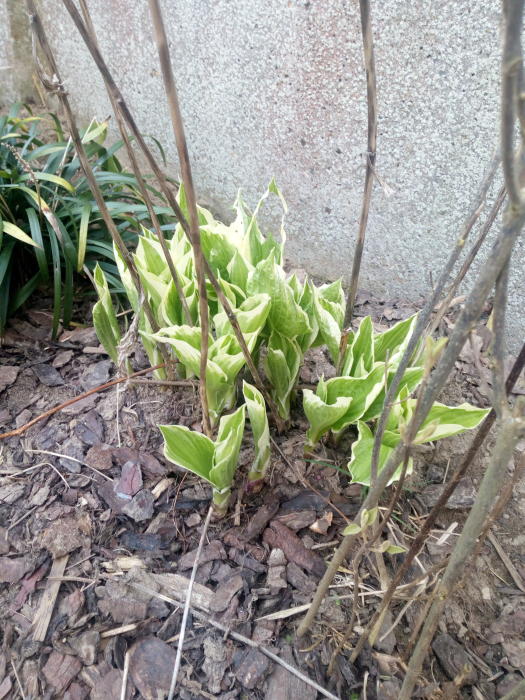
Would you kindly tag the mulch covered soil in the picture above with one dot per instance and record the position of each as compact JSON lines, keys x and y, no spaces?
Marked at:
{"x":98,"y":535}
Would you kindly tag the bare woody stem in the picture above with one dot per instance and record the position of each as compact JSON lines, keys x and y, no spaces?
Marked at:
{"x":371,"y":96}
{"x":449,"y":489}
{"x":426,"y":313}
{"x":466,"y":319}
{"x":195,"y":238}
{"x":511,"y":428}
{"x":168,"y":193}
{"x":57,"y":86}
{"x":140,"y":180}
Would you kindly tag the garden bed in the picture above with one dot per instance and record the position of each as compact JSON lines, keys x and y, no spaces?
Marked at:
{"x":98,"y":539}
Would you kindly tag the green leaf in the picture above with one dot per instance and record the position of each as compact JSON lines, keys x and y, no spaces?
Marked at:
{"x":282,"y":364}
{"x":16,"y":232}
{"x":360,"y":464}
{"x":251,"y":316}
{"x":82,"y":236}
{"x":261,"y":432}
{"x":329,"y":316}
{"x":410,"y":381}
{"x":352,"y":529}
{"x":445,"y":421}
{"x":362,"y":390}
{"x":104,"y":317}
{"x":359,"y":357}
{"x":286,"y":316}
{"x":48,"y":177}
{"x":226,"y":454}
{"x":393,"y":341}
{"x":322,"y":416}
{"x":188,"y":449}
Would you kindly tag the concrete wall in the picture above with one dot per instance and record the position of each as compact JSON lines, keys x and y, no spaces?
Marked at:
{"x":277,"y":88}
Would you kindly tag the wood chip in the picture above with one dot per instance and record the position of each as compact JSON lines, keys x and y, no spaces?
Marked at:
{"x":45,"y":609}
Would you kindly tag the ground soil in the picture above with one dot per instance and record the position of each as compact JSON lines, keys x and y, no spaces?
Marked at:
{"x":97,"y":529}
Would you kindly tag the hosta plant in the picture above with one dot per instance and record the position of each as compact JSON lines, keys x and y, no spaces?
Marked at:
{"x":225,"y":357}
{"x":358,"y":395}
{"x":441,"y":422}
{"x":261,"y":435}
{"x":213,"y":461}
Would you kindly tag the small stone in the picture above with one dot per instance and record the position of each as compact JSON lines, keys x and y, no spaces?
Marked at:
{"x":130,"y":481}
{"x":96,"y":375}
{"x":48,"y":375}
{"x":62,"y":358}
{"x":12,"y":570}
{"x":435,"y":473}
{"x":515,"y":651}
{"x":253,"y":669}
{"x":8,"y":375}
{"x":110,"y":686}
{"x":388,"y":644}
{"x":50,"y":437}
{"x":40,"y":496}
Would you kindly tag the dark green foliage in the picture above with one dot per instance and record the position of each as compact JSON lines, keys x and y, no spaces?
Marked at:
{"x":44,"y":195}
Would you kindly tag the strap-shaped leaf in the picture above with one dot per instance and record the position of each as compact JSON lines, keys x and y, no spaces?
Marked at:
{"x":251,"y":316}
{"x":190,"y":450}
{"x":104,"y":317}
{"x":327,"y":316}
{"x":361,"y":355}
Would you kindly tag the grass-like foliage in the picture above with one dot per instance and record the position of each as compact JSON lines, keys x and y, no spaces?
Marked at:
{"x":50,"y":226}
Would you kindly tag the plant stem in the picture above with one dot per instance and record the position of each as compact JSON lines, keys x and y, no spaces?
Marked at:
{"x":57,"y":86}
{"x":195,"y":238}
{"x":371,"y":97}
{"x":449,"y":489}
{"x":510,"y":432}
{"x":138,"y":174}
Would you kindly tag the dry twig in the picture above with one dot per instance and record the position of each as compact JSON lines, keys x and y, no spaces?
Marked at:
{"x":51,"y":411}
{"x":182,"y":632}
{"x":371,"y":97}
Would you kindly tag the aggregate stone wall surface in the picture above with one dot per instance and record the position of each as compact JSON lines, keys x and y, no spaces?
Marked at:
{"x":277,"y":89}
